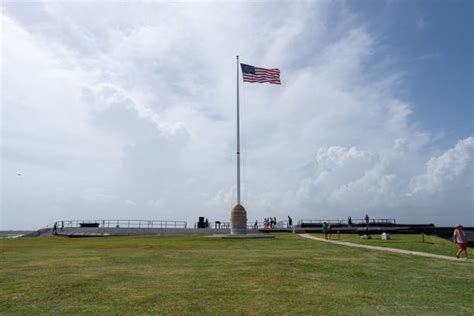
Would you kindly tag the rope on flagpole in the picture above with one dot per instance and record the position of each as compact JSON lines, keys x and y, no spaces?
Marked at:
{"x":238,"y":136}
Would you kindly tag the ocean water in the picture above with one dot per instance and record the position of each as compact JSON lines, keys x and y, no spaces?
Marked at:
{"x":13,"y":233}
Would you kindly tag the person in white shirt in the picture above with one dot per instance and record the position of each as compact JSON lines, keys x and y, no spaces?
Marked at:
{"x":460,"y":239}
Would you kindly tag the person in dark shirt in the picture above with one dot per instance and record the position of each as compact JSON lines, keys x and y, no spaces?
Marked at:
{"x":325,"y":230}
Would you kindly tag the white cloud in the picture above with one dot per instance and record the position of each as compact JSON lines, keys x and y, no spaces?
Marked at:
{"x":136,"y":103}
{"x":443,"y":170}
{"x":131,"y":203}
{"x":420,"y":22}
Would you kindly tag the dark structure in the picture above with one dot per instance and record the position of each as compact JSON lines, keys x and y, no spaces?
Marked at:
{"x":201,"y":223}
{"x":378,"y":226}
{"x":89,"y":224}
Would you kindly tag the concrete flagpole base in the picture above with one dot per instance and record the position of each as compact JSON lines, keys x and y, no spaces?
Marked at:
{"x":238,"y":220}
{"x":238,"y":226}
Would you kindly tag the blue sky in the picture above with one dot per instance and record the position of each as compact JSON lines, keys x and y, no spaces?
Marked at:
{"x":432,"y":41}
{"x":121,"y":110}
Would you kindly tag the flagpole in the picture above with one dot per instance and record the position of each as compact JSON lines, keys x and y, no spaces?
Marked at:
{"x":238,"y":215}
{"x":238,"y":136}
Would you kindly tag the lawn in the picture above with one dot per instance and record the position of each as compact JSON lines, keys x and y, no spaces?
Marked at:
{"x":430,"y":244}
{"x":201,"y":275}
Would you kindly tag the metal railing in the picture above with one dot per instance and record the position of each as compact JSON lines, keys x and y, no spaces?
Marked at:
{"x":250,"y":225}
{"x":261,"y":225}
{"x":357,"y":221}
{"x":215,"y":225}
{"x":118,"y":223}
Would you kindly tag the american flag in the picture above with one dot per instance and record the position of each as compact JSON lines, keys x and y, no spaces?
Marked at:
{"x":261,"y":75}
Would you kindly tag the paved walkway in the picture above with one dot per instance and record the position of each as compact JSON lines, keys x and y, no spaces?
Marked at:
{"x":386,"y":249}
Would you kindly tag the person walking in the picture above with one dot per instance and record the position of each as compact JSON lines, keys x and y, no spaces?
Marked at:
{"x":349,"y":221}
{"x":460,"y":239}
{"x":325,"y":230}
{"x":367,"y":219}
{"x":290,"y":222}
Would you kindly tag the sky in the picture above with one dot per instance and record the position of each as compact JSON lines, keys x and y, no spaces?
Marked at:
{"x":127,"y":110}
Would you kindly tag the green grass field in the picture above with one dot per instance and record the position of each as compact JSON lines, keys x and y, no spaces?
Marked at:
{"x":431,"y":244}
{"x":201,"y":275}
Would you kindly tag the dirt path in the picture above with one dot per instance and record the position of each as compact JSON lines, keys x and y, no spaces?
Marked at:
{"x":386,"y":249}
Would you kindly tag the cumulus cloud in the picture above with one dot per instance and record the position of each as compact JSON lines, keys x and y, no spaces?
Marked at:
{"x":443,"y":170}
{"x":120,"y":111}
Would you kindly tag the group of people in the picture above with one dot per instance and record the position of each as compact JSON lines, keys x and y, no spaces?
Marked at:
{"x":271,"y":223}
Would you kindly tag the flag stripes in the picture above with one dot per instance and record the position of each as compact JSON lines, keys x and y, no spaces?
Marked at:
{"x":260,"y":75}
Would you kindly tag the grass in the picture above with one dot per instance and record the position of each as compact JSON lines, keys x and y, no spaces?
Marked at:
{"x":200,"y":275}
{"x":431,"y":244}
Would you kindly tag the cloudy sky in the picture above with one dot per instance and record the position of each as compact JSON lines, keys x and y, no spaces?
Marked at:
{"x":127,"y":110}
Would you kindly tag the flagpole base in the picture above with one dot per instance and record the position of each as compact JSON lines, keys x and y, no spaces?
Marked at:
{"x":238,"y":221}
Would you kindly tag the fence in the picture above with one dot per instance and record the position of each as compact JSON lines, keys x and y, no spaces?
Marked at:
{"x":215,"y":225}
{"x":262,"y":225}
{"x":250,"y":225}
{"x":345,"y":222}
{"x":119,"y":223}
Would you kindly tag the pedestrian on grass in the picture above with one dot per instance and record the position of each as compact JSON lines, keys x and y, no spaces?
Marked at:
{"x":290,"y":222}
{"x":55,"y":228}
{"x":349,"y":221}
{"x":460,"y":239}
{"x":325,"y":230}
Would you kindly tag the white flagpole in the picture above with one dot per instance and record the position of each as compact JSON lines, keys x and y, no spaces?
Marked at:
{"x":238,"y":137}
